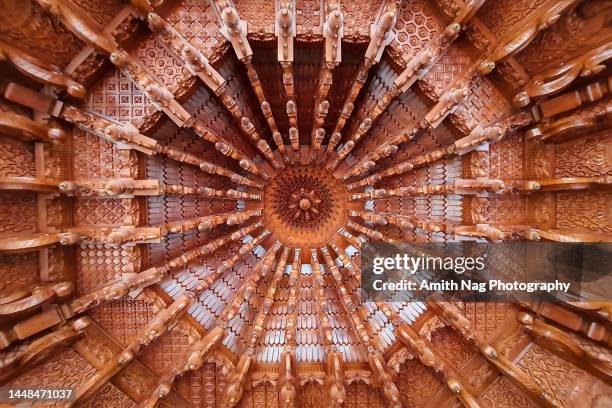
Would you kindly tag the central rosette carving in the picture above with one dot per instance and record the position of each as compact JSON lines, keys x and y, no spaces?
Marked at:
{"x":304,"y":205}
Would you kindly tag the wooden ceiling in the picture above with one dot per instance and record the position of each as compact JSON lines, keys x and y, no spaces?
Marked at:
{"x":185,"y":187}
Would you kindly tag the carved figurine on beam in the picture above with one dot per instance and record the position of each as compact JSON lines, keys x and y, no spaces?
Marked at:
{"x":287,"y":380}
{"x":126,"y":135}
{"x":335,"y":392}
{"x":118,"y":187}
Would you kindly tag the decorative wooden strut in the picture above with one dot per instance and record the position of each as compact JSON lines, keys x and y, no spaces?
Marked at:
{"x":287,"y":378}
{"x":235,"y":31}
{"x":164,"y":321}
{"x":460,"y":147}
{"x":484,"y":187}
{"x":335,"y":392}
{"x":285,"y":31}
{"x":333,"y":32}
{"x":292,"y":302}
{"x":81,"y":25}
{"x":513,"y":42}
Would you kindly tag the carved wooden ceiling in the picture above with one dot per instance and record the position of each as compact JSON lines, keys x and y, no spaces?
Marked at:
{"x":185,"y":187}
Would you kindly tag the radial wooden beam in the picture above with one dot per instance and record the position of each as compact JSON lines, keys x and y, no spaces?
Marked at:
{"x":415,"y":70}
{"x":460,"y":147}
{"x":381,"y":34}
{"x":516,"y":39}
{"x":358,"y":317}
{"x":335,"y":392}
{"x":82,"y":26}
{"x":236,"y":379}
{"x":197,"y":64}
{"x":128,"y":283}
{"x":333,"y":32}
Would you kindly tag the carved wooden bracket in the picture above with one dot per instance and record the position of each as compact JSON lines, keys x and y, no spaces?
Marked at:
{"x":41,"y":71}
{"x":35,"y":299}
{"x":26,"y":129}
{"x":558,"y":78}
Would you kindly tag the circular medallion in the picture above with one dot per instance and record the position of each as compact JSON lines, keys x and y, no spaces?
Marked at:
{"x":304,"y":205}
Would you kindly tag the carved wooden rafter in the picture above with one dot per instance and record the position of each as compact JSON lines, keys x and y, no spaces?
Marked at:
{"x":381,"y":374}
{"x":415,"y":70}
{"x":197,"y":64}
{"x":128,"y":134}
{"x":236,"y":31}
{"x":236,"y":379}
{"x":355,"y":241}
{"x":160,"y":96}
{"x":381,"y":34}
{"x":292,"y":301}
{"x":458,"y":91}
{"x":462,"y":146}
{"x":372,"y":234}
{"x":33,"y":184}
{"x":484,"y":187}
{"x":192,"y":361}
{"x":333,"y":32}
{"x":390,"y":146}
{"x":335,"y":392}
{"x":570,"y":100}
{"x":164,"y":321}
{"x":128,"y":283}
